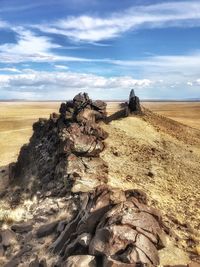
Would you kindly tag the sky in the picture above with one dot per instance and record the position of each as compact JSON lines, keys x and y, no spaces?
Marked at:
{"x":51,"y":50}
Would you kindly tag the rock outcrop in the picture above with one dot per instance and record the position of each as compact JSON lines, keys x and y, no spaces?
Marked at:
{"x":63,"y":150}
{"x":110,"y":227}
{"x":134,"y":103}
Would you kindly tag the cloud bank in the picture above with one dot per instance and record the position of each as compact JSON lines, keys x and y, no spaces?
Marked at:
{"x":37,"y":82}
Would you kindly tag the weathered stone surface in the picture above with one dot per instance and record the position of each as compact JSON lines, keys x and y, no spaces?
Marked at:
{"x":47,"y":229}
{"x":7,"y":237}
{"x":34,"y":263}
{"x":47,"y":157}
{"x":22,"y":228}
{"x":43,"y":263}
{"x":14,"y":261}
{"x":108,"y":262}
{"x":80,"y":261}
{"x":1,"y":250}
{"x":117,"y":226}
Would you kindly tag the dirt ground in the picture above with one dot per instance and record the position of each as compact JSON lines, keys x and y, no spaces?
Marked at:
{"x":162,"y":158}
{"x":16,"y":119}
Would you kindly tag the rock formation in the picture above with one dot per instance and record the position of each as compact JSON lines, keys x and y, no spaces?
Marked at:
{"x":63,"y":150}
{"x":110,"y":227}
{"x":134,"y":103}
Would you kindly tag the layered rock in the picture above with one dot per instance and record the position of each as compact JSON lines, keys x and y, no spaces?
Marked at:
{"x":114,"y":227}
{"x":64,"y":149}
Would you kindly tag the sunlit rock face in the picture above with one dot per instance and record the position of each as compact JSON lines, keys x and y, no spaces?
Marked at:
{"x":64,"y":149}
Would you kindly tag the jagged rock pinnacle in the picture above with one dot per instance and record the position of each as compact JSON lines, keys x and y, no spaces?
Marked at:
{"x":134,"y":103}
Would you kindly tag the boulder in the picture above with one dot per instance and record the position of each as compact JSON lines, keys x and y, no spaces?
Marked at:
{"x":22,"y":228}
{"x":7,"y":237}
{"x":46,"y":229}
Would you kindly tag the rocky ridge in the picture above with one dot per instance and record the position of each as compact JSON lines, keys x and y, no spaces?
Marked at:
{"x":100,"y":225}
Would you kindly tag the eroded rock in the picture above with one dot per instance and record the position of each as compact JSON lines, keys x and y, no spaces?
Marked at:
{"x":80,"y":261}
{"x":22,"y":228}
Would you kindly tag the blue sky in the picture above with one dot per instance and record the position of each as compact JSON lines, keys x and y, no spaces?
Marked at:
{"x":54,"y":49}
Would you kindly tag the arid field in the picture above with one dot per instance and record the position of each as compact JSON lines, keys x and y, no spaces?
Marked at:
{"x":16,"y":119}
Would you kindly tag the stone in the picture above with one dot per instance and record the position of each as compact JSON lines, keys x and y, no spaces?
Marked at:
{"x":80,"y":261}
{"x":12,"y":263}
{"x":108,"y":262}
{"x":1,"y":250}
{"x":34,"y":263}
{"x":7,"y":237}
{"x":47,"y":229}
{"x":134,"y":103}
{"x":22,"y":228}
{"x":43,"y":263}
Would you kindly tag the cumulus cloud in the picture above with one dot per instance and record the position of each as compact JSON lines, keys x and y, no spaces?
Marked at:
{"x":95,"y":28}
{"x":66,"y":82}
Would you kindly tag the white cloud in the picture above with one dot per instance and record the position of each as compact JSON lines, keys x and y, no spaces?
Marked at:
{"x":61,"y":67}
{"x":29,"y":47}
{"x":198,"y":81}
{"x":3,"y":24}
{"x":164,"y":61}
{"x":10,"y":70}
{"x":190,"y":83}
{"x":66,"y":84}
{"x":33,"y":48}
{"x":94,"y":29}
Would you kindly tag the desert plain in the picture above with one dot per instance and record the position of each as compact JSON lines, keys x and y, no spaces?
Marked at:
{"x":16,"y":119}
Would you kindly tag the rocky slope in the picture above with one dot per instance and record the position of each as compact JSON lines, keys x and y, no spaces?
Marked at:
{"x":162,"y":158}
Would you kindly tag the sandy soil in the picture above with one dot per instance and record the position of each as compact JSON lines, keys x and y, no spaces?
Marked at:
{"x":162,"y":158}
{"x":16,"y":121}
{"x":185,"y":112}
